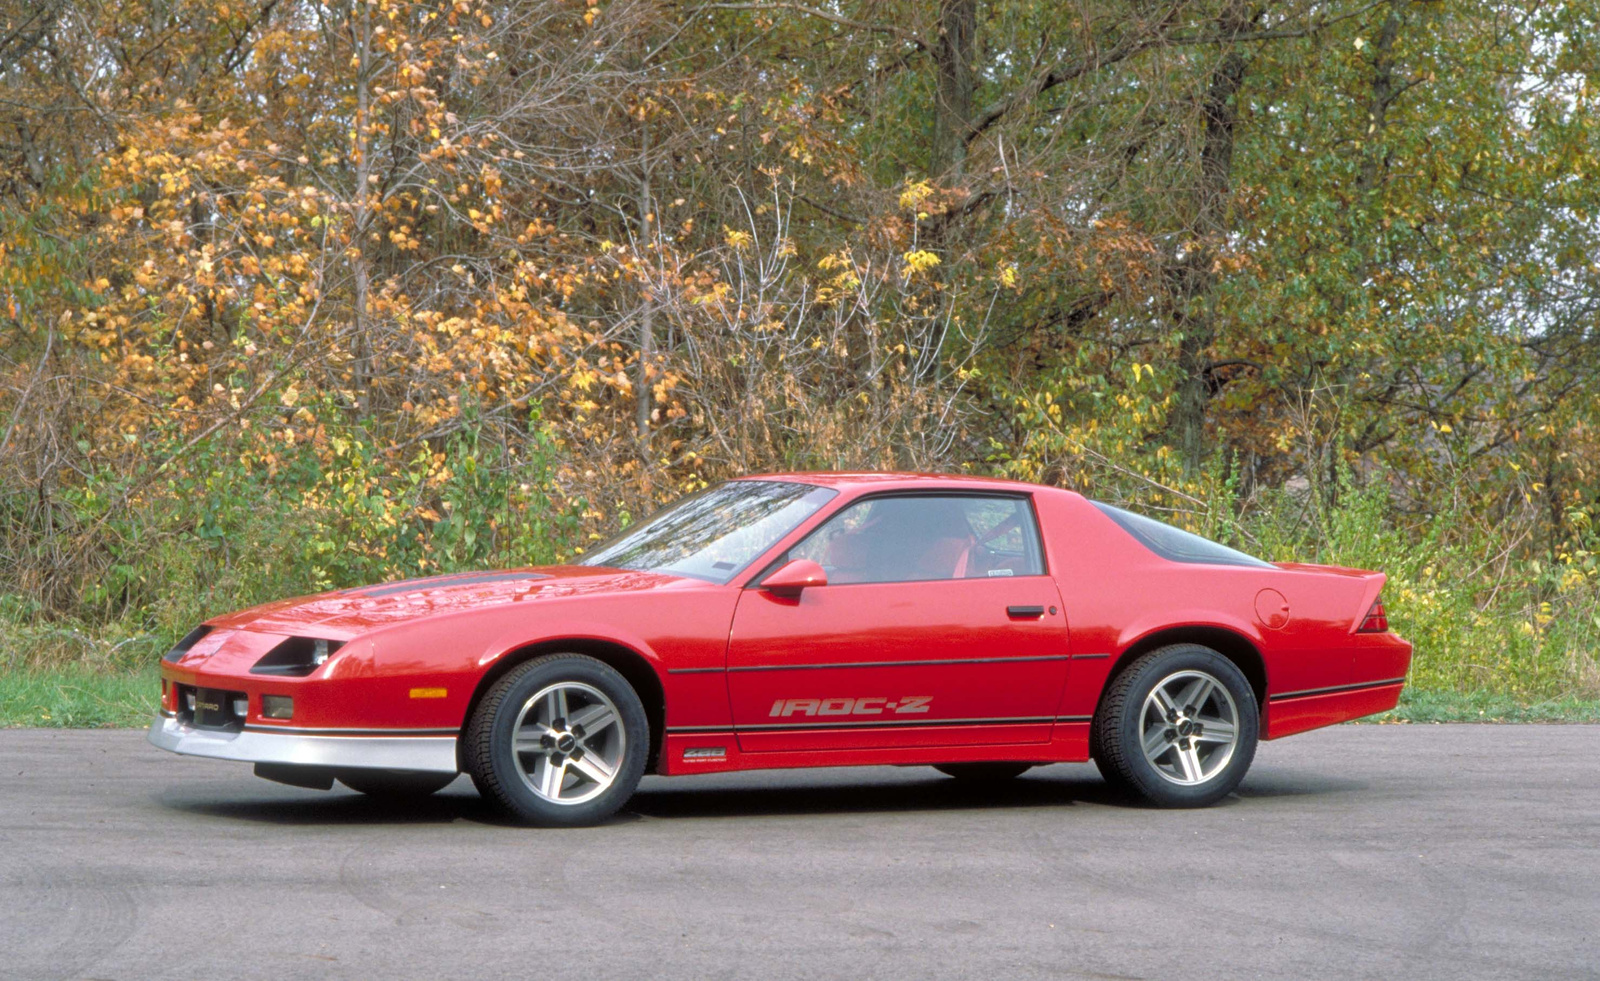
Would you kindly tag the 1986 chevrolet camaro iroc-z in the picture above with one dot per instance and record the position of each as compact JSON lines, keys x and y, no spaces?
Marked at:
{"x":978,"y":626}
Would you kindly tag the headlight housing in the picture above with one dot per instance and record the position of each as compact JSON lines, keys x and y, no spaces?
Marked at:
{"x":297,"y":657}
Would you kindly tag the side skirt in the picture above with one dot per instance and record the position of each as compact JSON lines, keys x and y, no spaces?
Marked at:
{"x":718,"y":752}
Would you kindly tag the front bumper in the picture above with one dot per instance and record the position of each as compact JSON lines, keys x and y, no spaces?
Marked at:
{"x":432,"y":752}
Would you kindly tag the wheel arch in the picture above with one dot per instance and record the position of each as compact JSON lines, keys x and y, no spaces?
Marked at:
{"x":1229,"y":643}
{"x":634,"y":667}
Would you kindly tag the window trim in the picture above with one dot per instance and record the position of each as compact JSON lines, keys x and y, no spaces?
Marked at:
{"x":782,"y":558}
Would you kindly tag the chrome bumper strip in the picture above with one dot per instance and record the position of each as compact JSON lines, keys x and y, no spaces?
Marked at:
{"x":435,"y":753}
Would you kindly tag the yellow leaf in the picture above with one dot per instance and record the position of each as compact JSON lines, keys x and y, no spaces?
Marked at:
{"x":919,"y":260}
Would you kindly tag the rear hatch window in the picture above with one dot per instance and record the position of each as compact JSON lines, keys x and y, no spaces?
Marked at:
{"x":1175,"y":544}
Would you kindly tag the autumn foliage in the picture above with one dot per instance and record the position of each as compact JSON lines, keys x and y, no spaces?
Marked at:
{"x":297,"y":294}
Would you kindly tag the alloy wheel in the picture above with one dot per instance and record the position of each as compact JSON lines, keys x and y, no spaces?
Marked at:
{"x":1189,"y":727}
{"x":569,"y":743}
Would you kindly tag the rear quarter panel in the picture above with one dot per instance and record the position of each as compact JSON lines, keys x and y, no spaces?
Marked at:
{"x":1118,"y":595}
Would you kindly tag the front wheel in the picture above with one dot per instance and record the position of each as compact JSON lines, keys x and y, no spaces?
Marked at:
{"x":1179,"y":726}
{"x":559,"y":741}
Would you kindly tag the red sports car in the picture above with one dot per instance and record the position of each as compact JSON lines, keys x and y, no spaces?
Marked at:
{"x":979,"y":626}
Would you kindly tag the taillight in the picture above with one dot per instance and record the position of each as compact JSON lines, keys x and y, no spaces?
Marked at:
{"x":1377,"y":620}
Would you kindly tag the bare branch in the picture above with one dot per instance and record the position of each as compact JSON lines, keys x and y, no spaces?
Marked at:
{"x":910,"y":37}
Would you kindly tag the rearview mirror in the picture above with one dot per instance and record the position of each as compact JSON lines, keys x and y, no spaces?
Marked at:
{"x":795,"y":576}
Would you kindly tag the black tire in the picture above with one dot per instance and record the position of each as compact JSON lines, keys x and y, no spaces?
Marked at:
{"x":1117,"y":739}
{"x":1107,"y":771}
{"x":395,"y":785}
{"x":488,"y":738}
{"x":996,"y":772}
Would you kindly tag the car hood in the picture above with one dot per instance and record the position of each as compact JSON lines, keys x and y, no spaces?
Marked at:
{"x":342,"y":614}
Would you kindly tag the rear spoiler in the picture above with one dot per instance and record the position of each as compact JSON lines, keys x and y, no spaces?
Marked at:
{"x":1371,"y":587}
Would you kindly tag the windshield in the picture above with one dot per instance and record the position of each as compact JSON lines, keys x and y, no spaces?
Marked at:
{"x":1175,"y":543}
{"x":715,"y":533}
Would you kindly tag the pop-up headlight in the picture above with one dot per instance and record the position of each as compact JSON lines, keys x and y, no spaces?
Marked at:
{"x":296,"y":657}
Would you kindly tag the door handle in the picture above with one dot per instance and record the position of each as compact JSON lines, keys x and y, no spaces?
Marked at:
{"x":1024,"y":612}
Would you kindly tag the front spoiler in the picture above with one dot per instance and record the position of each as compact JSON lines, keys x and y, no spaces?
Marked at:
{"x":429,"y":753}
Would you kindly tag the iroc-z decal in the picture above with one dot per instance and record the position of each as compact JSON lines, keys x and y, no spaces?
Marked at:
{"x":907,"y":705}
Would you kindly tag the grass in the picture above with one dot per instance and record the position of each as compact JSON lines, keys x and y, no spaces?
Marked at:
{"x":1429,"y":706}
{"x":79,"y":698}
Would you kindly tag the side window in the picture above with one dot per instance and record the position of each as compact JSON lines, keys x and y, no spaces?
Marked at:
{"x":911,"y":539}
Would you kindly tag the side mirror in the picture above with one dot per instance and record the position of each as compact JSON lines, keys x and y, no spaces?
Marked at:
{"x":791,"y":578}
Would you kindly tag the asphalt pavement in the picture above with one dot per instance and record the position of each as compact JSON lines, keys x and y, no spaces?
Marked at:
{"x":1394,"y":852}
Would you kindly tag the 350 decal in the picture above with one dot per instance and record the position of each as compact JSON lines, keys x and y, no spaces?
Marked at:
{"x":908,"y":705}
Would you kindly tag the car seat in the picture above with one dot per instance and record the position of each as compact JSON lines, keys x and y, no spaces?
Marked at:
{"x":931,"y":540}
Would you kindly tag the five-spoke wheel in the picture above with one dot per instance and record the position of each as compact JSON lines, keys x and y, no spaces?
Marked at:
{"x":1190,"y":727}
{"x":1178,"y":725}
{"x":570,"y":743}
{"x":560,"y":740}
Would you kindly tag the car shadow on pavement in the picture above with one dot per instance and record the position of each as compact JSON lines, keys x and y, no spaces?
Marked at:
{"x":1050,"y":787}
{"x":270,"y":804}
{"x":683,"y":799}
{"x":691,"y":798}
{"x":1263,"y":783}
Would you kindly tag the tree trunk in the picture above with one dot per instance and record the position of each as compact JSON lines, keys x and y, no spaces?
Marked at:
{"x":1193,"y":278}
{"x":363,"y":348}
{"x":1369,"y":183}
{"x":952,"y":113}
{"x":1383,"y":93}
{"x":647,"y":332}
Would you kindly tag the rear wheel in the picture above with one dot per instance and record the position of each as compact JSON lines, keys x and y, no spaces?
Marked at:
{"x":1179,"y":726}
{"x":997,"y":772}
{"x":559,"y":741}
{"x":395,"y":784}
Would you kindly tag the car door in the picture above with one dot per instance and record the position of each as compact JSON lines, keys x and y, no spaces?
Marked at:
{"x":938,"y":626}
